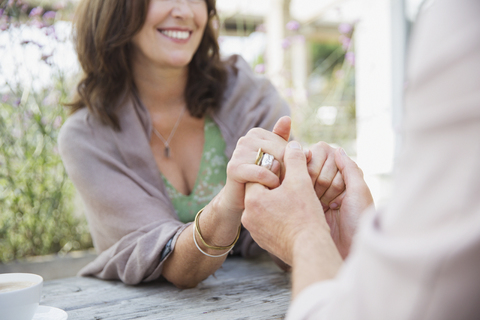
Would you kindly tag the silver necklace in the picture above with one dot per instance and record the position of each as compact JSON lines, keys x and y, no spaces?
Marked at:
{"x":167,"y":142}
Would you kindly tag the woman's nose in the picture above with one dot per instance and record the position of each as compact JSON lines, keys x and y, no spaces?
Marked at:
{"x":182,"y":9}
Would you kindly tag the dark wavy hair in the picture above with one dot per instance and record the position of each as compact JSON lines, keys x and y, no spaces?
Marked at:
{"x":103,"y":32}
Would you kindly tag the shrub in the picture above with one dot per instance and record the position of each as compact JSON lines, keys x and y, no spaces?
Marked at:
{"x":37,"y":211}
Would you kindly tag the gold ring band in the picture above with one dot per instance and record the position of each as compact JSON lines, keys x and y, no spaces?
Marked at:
{"x":259,"y":156}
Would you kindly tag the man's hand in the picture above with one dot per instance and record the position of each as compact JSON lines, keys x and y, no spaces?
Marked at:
{"x":275,"y":218}
{"x":289,"y":222}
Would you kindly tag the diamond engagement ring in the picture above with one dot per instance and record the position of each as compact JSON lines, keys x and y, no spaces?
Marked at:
{"x":267,"y":161}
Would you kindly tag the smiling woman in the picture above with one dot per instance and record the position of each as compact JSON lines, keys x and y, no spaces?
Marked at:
{"x":171,"y":33}
{"x":152,"y":139}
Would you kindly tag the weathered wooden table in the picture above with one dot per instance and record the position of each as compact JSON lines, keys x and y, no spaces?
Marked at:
{"x":241,"y":289}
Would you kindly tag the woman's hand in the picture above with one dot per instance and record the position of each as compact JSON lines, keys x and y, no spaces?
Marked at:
{"x":326,"y":178}
{"x":242,"y":168}
{"x":345,"y":211}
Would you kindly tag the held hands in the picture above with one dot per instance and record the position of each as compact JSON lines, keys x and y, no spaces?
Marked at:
{"x":242,"y":169}
{"x":275,"y":218}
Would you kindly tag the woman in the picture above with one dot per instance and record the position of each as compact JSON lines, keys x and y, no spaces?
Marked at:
{"x":157,"y":118}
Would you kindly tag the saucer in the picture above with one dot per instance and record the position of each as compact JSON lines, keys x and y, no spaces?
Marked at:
{"x":49,"y":313}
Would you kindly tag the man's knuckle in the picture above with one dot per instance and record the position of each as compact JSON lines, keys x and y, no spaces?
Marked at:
{"x":251,"y":201}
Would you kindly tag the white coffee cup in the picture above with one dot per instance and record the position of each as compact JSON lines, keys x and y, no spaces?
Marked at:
{"x":20,"y":295}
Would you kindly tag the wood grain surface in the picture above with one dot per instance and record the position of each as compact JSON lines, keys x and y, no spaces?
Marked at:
{"x":241,"y":289}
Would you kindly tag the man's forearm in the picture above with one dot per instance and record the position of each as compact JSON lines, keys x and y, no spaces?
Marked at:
{"x":315,"y":258}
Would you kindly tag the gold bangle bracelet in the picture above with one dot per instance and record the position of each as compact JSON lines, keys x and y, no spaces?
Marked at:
{"x":197,"y":228}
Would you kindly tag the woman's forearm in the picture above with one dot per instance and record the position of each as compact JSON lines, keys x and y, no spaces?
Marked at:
{"x":187,"y":266}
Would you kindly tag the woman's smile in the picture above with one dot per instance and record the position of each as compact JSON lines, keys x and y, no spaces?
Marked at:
{"x":176,"y":34}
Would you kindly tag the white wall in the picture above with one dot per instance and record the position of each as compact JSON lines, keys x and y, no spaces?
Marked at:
{"x":377,"y":94}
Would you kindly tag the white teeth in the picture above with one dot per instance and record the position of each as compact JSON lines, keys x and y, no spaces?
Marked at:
{"x":181,"y":35}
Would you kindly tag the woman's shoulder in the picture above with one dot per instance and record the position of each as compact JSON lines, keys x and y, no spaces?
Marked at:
{"x":82,"y":129}
{"x":79,"y":123}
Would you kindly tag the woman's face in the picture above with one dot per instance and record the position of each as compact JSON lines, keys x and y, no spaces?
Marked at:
{"x":172,"y":32}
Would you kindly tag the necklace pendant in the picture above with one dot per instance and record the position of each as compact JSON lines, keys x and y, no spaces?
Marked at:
{"x":167,"y":152}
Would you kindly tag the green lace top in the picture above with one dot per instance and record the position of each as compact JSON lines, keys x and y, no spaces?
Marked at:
{"x":210,"y":179}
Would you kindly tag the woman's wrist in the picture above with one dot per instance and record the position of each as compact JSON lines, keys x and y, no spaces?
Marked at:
{"x":219,"y":225}
{"x":221,"y":205}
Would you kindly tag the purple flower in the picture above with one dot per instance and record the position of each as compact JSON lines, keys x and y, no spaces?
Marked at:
{"x":260,"y":68}
{"x":3,"y":26}
{"x":37,"y":23}
{"x":345,"y":28}
{"x":50,"y":31}
{"x":5,"y":98}
{"x":57,"y":123}
{"x":1,"y":12}
{"x":17,"y":102}
{"x":36,"y":12}
{"x":293,"y":25}
{"x":49,"y":15}
{"x":286,"y":43}
{"x":261,"y":28}
{"x":350,"y":57}
{"x":300,"y":39}
{"x":345,"y":42}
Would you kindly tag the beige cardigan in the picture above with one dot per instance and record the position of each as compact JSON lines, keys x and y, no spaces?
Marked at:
{"x":129,"y":213}
{"x":420,"y":257}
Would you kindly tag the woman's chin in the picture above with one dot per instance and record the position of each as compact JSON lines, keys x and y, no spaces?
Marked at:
{"x":179,"y":62}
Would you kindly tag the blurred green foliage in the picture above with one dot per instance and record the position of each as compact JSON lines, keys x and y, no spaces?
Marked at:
{"x":36,"y":198}
{"x":330,"y":115}
{"x":326,"y":56}
{"x":38,"y":214}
